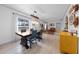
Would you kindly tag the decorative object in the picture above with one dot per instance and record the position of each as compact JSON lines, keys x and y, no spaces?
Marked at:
{"x":75,"y":22}
{"x":52,"y":25}
{"x":71,"y":18}
{"x":66,"y":23}
{"x":74,"y":9}
{"x":51,"y":30}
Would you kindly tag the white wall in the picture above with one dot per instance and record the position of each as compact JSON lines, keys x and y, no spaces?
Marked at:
{"x":49,"y":26}
{"x":58,"y":25}
{"x":7,"y":24}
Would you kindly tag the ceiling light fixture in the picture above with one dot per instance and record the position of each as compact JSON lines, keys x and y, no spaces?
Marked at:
{"x":35,"y":14}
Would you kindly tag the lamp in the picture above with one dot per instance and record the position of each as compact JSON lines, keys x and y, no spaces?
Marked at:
{"x":34,"y":14}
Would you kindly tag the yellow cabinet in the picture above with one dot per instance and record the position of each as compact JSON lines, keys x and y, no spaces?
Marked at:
{"x":68,"y":43}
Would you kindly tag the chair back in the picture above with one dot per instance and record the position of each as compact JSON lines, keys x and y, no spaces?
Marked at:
{"x":34,"y":33}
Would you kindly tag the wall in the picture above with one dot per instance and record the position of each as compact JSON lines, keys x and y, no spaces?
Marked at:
{"x":57,"y":25}
{"x":62,"y":24}
{"x":49,"y":26}
{"x":7,"y":24}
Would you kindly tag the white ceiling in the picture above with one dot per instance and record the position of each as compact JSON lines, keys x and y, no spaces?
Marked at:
{"x":46,"y":12}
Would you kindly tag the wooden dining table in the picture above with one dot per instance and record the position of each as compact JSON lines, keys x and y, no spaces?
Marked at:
{"x":24,"y":36}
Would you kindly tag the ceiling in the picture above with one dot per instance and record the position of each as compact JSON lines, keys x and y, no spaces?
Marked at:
{"x":46,"y":12}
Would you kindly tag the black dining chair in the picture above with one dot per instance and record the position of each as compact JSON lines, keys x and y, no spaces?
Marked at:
{"x":32,"y":38}
{"x":39,"y":36}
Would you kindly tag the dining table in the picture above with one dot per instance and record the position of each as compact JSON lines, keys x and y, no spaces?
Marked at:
{"x":24,"y":36}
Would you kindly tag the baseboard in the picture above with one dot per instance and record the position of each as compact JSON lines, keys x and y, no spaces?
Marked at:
{"x":9,"y":42}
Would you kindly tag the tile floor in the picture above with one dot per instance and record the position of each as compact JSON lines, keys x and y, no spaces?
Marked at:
{"x":49,"y":45}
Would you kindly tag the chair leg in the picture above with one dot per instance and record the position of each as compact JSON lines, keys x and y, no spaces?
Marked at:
{"x":30,"y":46}
{"x":38,"y":39}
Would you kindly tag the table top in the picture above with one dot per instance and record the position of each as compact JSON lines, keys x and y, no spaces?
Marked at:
{"x":67,"y":34}
{"x":23,"y":34}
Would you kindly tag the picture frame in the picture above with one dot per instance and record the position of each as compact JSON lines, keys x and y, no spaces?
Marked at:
{"x":53,"y":25}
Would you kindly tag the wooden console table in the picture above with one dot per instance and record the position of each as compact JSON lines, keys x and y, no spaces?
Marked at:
{"x":68,"y":43}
